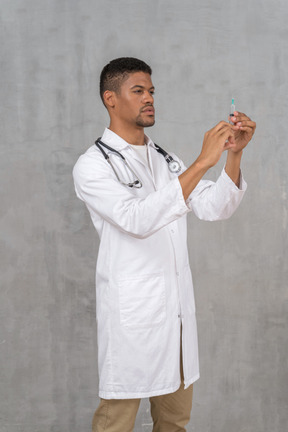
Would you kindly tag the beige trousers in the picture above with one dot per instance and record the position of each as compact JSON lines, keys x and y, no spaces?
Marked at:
{"x":170,"y":412}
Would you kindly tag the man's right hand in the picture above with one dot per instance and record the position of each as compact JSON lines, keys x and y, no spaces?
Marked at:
{"x":217,"y":140}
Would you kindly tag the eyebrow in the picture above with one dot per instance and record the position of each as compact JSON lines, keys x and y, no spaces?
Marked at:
{"x":142,"y":87}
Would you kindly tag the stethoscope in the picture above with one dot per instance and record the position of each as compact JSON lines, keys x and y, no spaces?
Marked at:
{"x":173,"y":165}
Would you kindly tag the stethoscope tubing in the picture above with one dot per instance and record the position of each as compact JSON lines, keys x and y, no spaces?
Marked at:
{"x":173,"y":165}
{"x":98,"y":141}
{"x":137,"y":183}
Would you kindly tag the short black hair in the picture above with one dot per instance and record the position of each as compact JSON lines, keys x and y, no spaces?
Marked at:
{"x":115,"y":72}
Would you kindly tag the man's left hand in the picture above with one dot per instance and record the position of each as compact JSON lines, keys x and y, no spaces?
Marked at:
{"x":244,"y":129}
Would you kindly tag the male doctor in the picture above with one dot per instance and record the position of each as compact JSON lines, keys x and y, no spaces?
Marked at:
{"x":147,"y":336}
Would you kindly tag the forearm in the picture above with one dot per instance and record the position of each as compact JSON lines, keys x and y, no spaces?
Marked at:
{"x":232,"y":166}
{"x":191,"y":177}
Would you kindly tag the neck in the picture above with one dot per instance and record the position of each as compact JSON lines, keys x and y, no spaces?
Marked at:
{"x":131,"y":135}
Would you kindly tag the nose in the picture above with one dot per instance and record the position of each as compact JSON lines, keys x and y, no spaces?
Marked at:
{"x":148,"y":97}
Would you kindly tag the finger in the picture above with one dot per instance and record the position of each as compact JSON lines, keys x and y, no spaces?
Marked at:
{"x":232,"y":139}
{"x":228,"y":145}
{"x":237,"y":119}
{"x":242,"y":117}
{"x":226,"y":136}
{"x":247,"y":123}
{"x":235,"y":128}
{"x":226,"y":127}
{"x":220,"y":126}
{"x":227,"y":131}
{"x":247,"y":129}
{"x":238,"y":113}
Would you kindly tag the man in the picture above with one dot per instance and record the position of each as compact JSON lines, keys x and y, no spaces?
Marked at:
{"x":147,"y":337}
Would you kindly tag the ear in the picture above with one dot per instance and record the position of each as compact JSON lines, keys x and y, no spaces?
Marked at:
{"x":109,"y":98}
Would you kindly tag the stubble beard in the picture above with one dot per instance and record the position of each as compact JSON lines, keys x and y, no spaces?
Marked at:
{"x":144,"y":123}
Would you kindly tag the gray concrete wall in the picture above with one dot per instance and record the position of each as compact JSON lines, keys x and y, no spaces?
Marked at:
{"x":203,"y":52}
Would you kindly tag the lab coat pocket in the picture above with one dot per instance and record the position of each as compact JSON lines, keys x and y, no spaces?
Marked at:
{"x":142,"y":300}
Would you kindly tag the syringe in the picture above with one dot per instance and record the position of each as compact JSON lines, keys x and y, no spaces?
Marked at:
{"x":232,"y":109}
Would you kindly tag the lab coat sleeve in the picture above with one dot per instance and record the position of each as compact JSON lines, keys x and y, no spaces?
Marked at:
{"x":212,"y":201}
{"x":96,"y":185}
{"x":216,"y":201}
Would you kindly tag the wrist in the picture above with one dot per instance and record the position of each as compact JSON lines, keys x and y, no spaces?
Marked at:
{"x":236,"y":156}
{"x":232,"y":166}
{"x":202,"y":163}
{"x":236,"y":152}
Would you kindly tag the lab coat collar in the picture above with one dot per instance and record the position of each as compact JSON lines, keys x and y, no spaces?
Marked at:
{"x":116,"y":142}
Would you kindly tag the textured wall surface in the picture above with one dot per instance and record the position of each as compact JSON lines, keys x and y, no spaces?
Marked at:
{"x":202,"y":53}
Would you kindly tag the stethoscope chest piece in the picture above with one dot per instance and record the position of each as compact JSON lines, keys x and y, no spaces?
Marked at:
{"x":174,"y":166}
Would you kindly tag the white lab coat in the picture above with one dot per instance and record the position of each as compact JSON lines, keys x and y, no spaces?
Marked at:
{"x":144,"y":287}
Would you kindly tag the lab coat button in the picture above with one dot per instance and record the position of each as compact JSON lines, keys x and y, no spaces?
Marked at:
{"x":177,"y":273}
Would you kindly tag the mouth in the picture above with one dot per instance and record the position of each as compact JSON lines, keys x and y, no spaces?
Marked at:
{"x":149,"y":110}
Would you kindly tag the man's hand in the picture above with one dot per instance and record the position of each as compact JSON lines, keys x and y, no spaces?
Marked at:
{"x":244,"y":129}
{"x":216,"y":140}
{"x":223,"y":136}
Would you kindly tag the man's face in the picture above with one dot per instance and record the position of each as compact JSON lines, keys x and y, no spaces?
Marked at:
{"x":134,"y":103}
